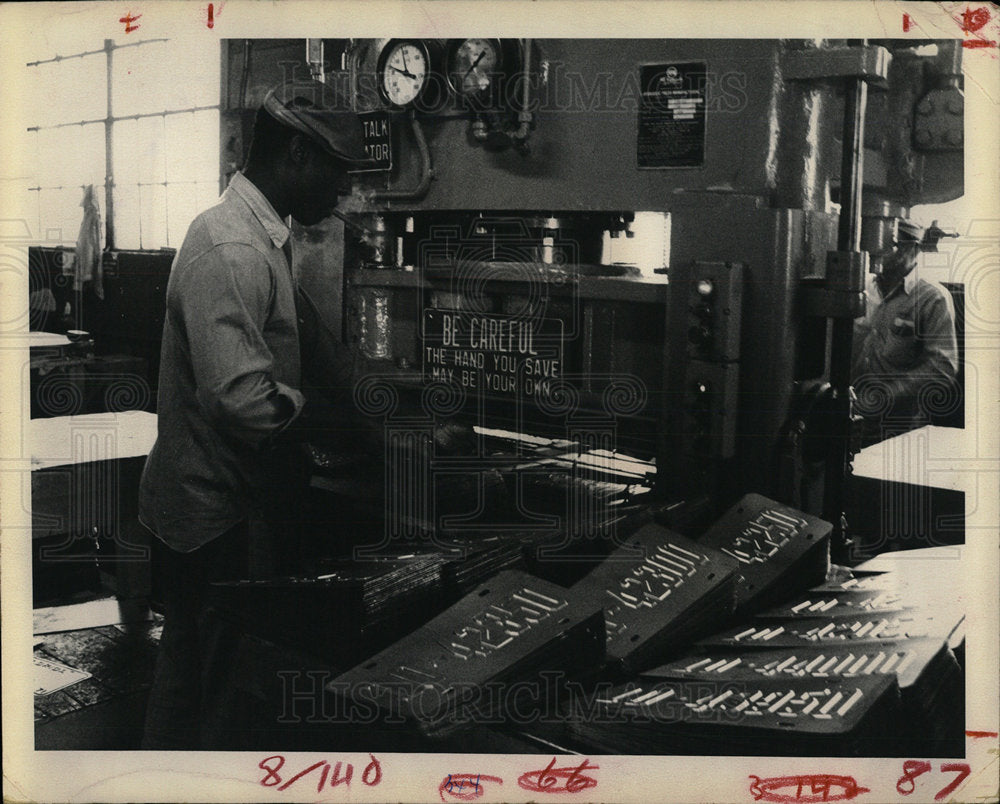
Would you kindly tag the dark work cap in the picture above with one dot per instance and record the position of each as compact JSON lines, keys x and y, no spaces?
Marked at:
{"x":322,"y":114}
{"x":909,"y":232}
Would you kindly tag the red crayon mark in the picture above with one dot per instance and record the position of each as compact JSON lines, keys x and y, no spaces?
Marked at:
{"x":372,"y":774}
{"x":963,"y":773}
{"x":336,"y":780}
{"x":547,"y":780}
{"x":808,"y":788}
{"x":465,"y":786}
{"x":272,"y":765}
{"x":128,"y":19}
{"x":972,"y":21}
{"x":912,"y":768}
{"x":975,"y":735}
{"x":211,"y":16}
{"x":305,"y":772}
{"x":906,"y":22}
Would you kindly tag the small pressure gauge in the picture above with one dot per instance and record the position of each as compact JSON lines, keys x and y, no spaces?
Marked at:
{"x":473,"y":66}
{"x":403,"y":70}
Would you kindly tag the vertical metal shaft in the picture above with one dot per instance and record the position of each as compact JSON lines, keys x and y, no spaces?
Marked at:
{"x":848,"y":239}
{"x":109,"y":145}
{"x":852,"y":166}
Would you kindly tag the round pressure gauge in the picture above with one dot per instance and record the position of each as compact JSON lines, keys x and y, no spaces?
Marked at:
{"x":473,"y":66}
{"x":403,"y":71}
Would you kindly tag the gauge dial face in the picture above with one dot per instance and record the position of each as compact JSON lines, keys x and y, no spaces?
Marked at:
{"x":404,"y":72}
{"x":473,"y":66}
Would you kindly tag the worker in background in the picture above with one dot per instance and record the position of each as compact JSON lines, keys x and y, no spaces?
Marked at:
{"x":905,"y":354}
{"x":229,"y":387}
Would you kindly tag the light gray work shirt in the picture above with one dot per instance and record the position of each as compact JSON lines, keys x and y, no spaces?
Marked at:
{"x":229,"y":370}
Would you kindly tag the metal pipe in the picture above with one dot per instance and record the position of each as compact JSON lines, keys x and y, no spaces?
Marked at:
{"x":848,"y":239}
{"x":245,"y":78}
{"x":426,"y":171}
{"x":524,"y":116}
{"x":353,"y":224}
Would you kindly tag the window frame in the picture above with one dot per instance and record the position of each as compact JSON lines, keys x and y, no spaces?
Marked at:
{"x":110,"y":120}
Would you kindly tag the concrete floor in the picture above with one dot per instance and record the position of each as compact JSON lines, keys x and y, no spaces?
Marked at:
{"x":105,"y":711}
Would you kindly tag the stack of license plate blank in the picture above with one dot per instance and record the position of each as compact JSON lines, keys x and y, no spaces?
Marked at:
{"x":476,"y":560}
{"x":660,"y":591}
{"x":458,"y":668}
{"x":780,"y":550}
{"x":379,"y":587}
{"x":758,"y":716}
{"x":339,"y":613}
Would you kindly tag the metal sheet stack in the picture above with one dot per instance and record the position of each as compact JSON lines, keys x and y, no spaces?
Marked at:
{"x":757,"y":716}
{"x":472,"y":561}
{"x":378,"y":587}
{"x":780,"y":550}
{"x":479,"y":661}
{"x":348,"y":610}
{"x":659,"y":592}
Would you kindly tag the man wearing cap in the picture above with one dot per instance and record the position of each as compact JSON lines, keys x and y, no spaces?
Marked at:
{"x":229,"y":386}
{"x":905,"y":351}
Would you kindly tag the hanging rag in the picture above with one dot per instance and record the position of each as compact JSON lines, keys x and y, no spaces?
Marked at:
{"x":88,"y":245}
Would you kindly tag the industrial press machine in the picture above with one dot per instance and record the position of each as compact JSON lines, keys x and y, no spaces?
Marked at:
{"x":647,"y":248}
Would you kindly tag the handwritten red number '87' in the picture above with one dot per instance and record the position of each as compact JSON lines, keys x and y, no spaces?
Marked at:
{"x":913,"y":768}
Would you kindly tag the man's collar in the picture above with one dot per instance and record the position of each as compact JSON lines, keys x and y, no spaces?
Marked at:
{"x":906,"y":286}
{"x":275,"y":227}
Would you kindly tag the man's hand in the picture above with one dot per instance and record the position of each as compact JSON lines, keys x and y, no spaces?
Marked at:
{"x":455,"y":438}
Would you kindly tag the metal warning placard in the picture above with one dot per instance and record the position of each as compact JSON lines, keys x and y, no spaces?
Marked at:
{"x":493,"y":354}
{"x":672,"y":115}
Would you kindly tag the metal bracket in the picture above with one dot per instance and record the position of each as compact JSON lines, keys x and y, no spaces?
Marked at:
{"x":845,"y":271}
{"x":819,"y":301}
{"x":870,"y":63}
{"x":841,"y":292}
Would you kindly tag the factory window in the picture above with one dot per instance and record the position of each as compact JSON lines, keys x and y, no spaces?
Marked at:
{"x":158,"y":143}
